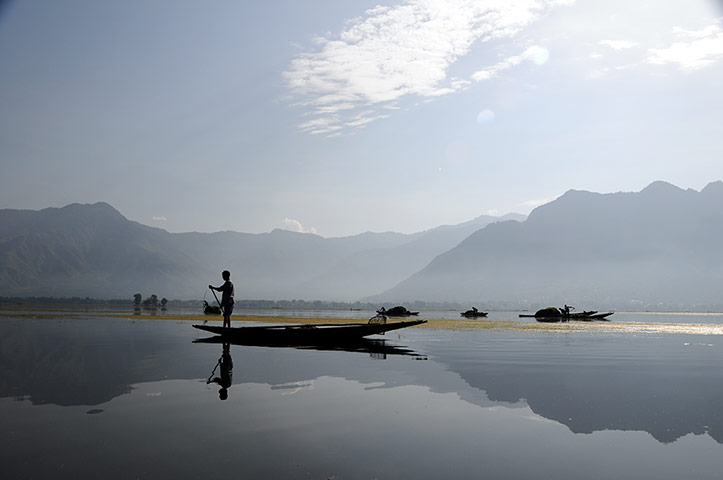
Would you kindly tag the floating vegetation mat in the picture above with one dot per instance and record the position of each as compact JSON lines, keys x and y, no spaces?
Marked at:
{"x":432,"y":323}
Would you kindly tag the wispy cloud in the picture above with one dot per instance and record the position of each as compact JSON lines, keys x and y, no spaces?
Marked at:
{"x":394,"y":52}
{"x":619,"y":44}
{"x":159,"y":218}
{"x":696,"y":49}
{"x":531,"y":204}
{"x":296,"y":226}
{"x":536,"y":54}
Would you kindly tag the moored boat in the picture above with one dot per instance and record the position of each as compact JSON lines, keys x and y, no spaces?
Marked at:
{"x":553,"y":314}
{"x":473,"y":313}
{"x":397,"y":311}
{"x":211,"y":309}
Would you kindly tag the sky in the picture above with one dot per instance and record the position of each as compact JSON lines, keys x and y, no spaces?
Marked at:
{"x":340,"y":117}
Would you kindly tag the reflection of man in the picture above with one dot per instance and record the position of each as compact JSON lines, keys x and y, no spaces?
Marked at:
{"x":226,"y":372}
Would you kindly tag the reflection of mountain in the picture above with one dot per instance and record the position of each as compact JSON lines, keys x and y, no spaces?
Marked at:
{"x":661,"y":387}
{"x":90,"y":362}
{"x":87,"y":362}
{"x":588,"y":383}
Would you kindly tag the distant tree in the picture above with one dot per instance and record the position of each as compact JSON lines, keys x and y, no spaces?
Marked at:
{"x":137,"y":299}
{"x":164,"y":301}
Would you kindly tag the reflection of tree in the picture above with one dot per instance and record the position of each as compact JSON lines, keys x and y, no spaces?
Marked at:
{"x":225,"y":372}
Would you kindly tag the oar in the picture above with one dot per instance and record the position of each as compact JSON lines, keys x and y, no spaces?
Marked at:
{"x":219,"y":303}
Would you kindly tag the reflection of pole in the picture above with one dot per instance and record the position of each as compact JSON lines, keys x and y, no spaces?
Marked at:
{"x":225,"y":378}
{"x":219,"y":303}
{"x":213,"y":372}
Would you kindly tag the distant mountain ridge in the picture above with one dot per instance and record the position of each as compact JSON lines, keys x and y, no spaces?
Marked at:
{"x":93,"y":250}
{"x":662,"y":245}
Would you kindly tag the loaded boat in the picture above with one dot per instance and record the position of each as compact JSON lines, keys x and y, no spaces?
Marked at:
{"x":553,"y":314}
{"x":473,"y":313}
{"x":397,"y":311}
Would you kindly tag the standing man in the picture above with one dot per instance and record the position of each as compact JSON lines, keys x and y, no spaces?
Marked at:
{"x":227,"y":298}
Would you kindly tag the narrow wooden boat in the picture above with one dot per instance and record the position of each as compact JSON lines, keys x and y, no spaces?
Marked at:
{"x":473,"y":313}
{"x":397,"y":311}
{"x":595,"y":316}
{"x":552,"y":315}
{"x":311,"y":333}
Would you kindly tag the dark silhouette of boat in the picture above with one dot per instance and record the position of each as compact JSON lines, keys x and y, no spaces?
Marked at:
{"x":473,"y":313}
{"x":306,"y":333}
{"x":554,"y":314}
{"x":211,"y":309}
{"x":397,"y":311}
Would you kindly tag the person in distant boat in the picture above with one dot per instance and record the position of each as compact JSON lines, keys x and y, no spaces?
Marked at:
{"x":226,"y":298}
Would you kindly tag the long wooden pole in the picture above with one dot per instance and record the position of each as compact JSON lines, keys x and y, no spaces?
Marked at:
{"x":219,"y":303}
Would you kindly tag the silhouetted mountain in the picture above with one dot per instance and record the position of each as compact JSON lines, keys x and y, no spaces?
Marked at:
{"x":85,"y":250}
{"x":92,"y":250}
{"x":371,"y":271}
{"x":663,"y":245}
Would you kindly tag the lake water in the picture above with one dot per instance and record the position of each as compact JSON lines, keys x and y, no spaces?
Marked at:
{"x":86,"y":396}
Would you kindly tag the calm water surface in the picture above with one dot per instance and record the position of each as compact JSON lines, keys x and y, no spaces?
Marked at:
{"x":136,"y":398}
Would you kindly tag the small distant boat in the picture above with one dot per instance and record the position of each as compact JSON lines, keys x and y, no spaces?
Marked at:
{"x":473,"y":313}
{"x":306,"y":333}
{"x":211,"y":309}
{"x":553,"y":314}
{"x":397,"y":311}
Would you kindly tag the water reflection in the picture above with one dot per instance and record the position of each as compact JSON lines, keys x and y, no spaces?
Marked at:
{"x":376,"y":348}
{"x":667,"y":385}
{"x":225,"y":368}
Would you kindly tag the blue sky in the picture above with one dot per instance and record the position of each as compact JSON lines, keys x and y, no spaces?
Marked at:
{"x":340,"y":117}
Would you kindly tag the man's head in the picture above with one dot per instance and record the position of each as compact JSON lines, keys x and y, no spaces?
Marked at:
{"x":226,"y":274}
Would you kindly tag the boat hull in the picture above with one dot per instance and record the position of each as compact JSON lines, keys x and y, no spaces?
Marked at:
{"x":306,"y":333}
{"x":571,"y":318}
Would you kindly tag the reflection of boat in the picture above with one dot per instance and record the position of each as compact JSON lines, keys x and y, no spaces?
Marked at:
{"x":473,"y":313}
{"x":308,"y":333}
{"x":397,"y":311}
{"x":374,"y":347}
{"x":553,"y":314}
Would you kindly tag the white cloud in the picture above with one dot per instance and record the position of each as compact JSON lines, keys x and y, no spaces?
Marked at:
{"x":697,"y":48}
{"x":159,"y":218}
{"x":619,"y":44}
{"x":531,"y":204}
{"x":394,"y":52}
{"x":297,"y":227}
{"x":536,"y":54}
{"x":485,"y":116}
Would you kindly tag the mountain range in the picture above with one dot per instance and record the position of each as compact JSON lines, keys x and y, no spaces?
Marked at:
{"x":660,"y":247}
{"x":93,"y":250}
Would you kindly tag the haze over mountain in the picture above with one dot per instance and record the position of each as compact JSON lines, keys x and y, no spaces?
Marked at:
{"x":660,"y":246}
{"x":92,"y":250}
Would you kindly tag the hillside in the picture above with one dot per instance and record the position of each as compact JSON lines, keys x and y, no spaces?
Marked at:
{"x":663,"y":245}
{"x":93,"y":250}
